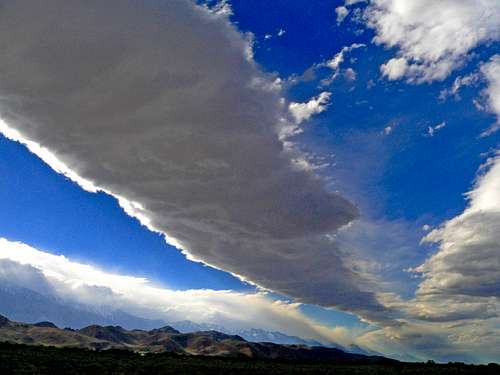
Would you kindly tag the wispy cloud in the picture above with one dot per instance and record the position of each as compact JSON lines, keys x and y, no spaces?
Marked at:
{"x":431,"y":130}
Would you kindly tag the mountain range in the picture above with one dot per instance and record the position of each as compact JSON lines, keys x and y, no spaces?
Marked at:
{"x":27,"y":305}
{"x":168,"y":339}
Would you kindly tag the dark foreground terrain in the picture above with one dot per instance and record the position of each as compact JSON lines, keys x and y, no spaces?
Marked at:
{"x":29,"y":359}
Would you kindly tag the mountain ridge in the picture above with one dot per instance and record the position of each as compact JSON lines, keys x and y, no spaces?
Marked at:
{"x":168,"y":339}
{"x":31,"y":306}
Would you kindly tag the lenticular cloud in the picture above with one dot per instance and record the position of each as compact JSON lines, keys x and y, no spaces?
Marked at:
{"x":161,"y":105}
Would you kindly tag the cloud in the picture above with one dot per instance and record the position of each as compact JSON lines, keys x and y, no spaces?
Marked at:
{"x":304,"y":111}
{"x":223,"y":8}
{"x":85,"y":284}
{"x":162,"y":106}
{"x":454,"y":314}
{"x":431,"y":130}
{"x":491,"y":71}
{"x":458,"y":298}
{"x":335,"y":62}
{"x":381,"y":250}
{"x":417,"y":341}
{"x":25,"y":277}
{"x":468,"y":261}
{"x":395,"y":68}
{"x":432,"y":38}
{"x":467,"y":80}
{"x":342,"y":12}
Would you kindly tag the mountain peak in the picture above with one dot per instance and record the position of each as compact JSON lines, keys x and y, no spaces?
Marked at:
{"x":166,"y":329}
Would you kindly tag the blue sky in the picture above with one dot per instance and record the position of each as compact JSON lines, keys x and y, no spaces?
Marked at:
{"x":401,"y":147}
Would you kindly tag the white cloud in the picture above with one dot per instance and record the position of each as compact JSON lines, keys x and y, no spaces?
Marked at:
{"x":335,"y":62}
{"x":342,"y":12}
{"x":431,"y":130}
{"x":432,"y":37}
{"x":173,"y":118}
{"x":353,"y":2}
{"x":79,"y":282}
{"x":467,"y":80}
{"x":222,"y":8}
{"x":395,"y":68}
{"x":491,"y":71}
{"x":304,"y":111}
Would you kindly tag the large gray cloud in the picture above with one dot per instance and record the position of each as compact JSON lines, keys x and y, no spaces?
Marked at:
{"x":161,"y":105}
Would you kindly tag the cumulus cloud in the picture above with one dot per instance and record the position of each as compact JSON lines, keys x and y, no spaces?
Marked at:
{"x":395,"y":68}
{"x":304,"y":111}
{"x":55,"y":274}
{"x":432,"y":37}
{"x":162,"y":106}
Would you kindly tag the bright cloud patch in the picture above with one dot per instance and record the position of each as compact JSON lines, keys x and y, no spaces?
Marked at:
{"x":160,"y":105}
{"x":433,"y":37}
{"x":40,"y":271}
{"x":304,"y":111}
{"x":491,"y":71}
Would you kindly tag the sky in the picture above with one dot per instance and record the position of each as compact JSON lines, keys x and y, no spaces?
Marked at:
{"x":329,"y":169}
